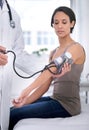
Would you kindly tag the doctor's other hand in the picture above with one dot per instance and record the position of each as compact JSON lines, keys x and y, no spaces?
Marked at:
{"x":66,"y":68}
{"x":3,"y":57}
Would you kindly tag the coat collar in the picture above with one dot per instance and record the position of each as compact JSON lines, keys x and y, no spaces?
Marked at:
{"x":4,"y":6}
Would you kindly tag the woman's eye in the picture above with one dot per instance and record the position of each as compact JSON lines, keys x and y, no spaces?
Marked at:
{"x":56,"y":23}
{"x":64,"y":22}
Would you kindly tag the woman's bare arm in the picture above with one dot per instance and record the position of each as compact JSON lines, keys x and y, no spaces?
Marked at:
{"x":38,"y":82}
{"x":38,"y":87}
{"x":34,"y":95}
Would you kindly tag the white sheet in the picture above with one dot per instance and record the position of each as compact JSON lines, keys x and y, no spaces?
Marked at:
{"x":79,"y":122}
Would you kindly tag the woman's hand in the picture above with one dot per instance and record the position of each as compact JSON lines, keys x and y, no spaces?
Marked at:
{"x":66,"y":68}
{"x":19,"y":102}
{"x":3,"y":57}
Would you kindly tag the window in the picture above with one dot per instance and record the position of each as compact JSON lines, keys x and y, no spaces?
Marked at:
{"x":35,"y":21}
{"x":27,"y":37}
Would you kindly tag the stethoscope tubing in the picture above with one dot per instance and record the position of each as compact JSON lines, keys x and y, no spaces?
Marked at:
{"x":12,"y":23}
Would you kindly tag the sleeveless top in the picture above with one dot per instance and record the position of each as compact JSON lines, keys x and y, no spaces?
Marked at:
{"x":66,"y":89}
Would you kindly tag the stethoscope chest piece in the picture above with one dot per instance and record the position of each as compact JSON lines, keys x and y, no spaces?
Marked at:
{"x":12,"y":24}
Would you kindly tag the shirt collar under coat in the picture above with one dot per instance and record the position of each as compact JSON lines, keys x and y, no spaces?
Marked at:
{"x":5,"y":8}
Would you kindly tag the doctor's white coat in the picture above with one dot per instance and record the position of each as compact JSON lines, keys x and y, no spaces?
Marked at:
{"x":12,"y":39}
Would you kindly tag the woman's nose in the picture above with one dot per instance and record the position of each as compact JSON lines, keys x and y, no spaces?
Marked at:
{"x":59,"y":25}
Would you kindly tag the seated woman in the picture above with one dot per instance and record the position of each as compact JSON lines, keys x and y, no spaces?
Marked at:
{"x":65,"y":100}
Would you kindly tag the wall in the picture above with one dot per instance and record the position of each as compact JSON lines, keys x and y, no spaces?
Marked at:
{"x":81,"y":34}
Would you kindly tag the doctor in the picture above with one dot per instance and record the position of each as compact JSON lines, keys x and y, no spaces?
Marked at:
{"x":11,"y":38}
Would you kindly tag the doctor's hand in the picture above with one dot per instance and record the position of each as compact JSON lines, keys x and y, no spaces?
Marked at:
{"x":3,"y":57}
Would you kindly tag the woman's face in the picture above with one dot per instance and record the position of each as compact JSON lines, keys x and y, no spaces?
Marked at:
{"x":62,"y":24}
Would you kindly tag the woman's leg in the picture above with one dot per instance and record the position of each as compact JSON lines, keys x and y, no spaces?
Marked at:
{"x":45,"y":107}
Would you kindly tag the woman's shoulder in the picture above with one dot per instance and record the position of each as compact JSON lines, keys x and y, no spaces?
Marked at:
{"x":78,"y":52}
{"x":76,"y":46}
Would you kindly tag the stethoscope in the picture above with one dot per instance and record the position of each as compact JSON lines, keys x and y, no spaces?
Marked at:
{"x":12,"y":23}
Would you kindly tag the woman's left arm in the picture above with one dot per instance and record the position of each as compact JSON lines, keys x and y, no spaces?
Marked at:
{"x":78,"y":53}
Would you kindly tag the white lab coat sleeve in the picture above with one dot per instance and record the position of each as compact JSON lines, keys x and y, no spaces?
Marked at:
{"x":23,"y":59}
